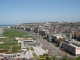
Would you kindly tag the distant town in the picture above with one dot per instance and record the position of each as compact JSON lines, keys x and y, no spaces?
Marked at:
{"x":40,"y":41}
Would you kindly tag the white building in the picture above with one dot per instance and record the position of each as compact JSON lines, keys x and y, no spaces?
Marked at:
{"x":59,"y":36}
{"x":73,"y":49}
{"x":23,"y":39}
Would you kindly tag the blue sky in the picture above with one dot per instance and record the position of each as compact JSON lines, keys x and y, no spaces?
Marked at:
{"x":26,"y":11}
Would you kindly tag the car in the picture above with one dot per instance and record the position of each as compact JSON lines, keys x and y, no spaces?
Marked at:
{"x":18,"y":54}
{"x":1,"y":55}
{"x":14,"y":55}
{"x":23,"y":58}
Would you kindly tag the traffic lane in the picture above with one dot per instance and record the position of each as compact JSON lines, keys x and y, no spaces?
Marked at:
{"x":45,"y":43}
{"x":37,"y":51}
{"x":43,"y":51}
{"x":48,"y":46}
{"x":29,"y":54}
{"x":52,"y":50}
{"x":41,"y":40}
{"x":54,"y":47}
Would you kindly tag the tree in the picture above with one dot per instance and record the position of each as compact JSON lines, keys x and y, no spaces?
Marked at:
{"x":65,"y":57}
{"x":77,"y":58}
{"x":47,"y":58}
{"x":54,"y":58}
{"x":45,"y":54}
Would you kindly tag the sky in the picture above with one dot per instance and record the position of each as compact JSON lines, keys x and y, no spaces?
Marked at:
{"x":30,"y":11}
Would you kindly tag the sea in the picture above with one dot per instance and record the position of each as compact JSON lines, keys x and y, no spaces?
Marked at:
{"x":6,"y":25}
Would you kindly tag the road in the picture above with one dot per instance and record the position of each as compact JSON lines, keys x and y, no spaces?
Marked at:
{"x":38,"y":50}
{"x":48,"y":45}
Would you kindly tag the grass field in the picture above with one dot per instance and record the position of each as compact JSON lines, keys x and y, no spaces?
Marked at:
{"x":31,"y":48}
{"x":9,"y":41}
{"x":34,"y":55}
{"x":13,"y":33}
{"x":43,"y":48}
{"x":7,"y":45}
{"x":6,"y":39}
{"x":27,"y":49}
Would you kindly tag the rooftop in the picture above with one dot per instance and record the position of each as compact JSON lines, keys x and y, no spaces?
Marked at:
{"x":74,"y":45}
{"x":25,"y":38}
{"x":59,"y":35}
{"x":73,"y":42}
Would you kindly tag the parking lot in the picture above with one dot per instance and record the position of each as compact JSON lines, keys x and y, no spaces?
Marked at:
{"x":26,"y":54}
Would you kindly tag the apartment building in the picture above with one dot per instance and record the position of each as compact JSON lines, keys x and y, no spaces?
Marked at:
{"x":72,"y":47}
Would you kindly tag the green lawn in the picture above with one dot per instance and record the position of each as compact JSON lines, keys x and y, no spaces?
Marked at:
{"x":7,"y":45}
{"x":13,"y":46}
{"x":13,"y":33}
{"x":43,"y":48}
{"x":15,"y":49}
{"x":31,"y":48}
{"x":6,"y":39}
{"x":34,"y":55}
{"x":77,"y":58}
{"x":8,"y":42}
{"x":27,"y":48}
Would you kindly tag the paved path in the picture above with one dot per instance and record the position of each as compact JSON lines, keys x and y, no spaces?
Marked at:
{"x":1,"y":31}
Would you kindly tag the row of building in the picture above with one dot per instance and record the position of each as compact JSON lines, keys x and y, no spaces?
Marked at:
{"x":50,"y":31}
{"x":71,"y":46}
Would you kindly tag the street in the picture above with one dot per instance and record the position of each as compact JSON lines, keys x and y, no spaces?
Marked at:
{"x":48,"y":45}
{"x":53,"y":50}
